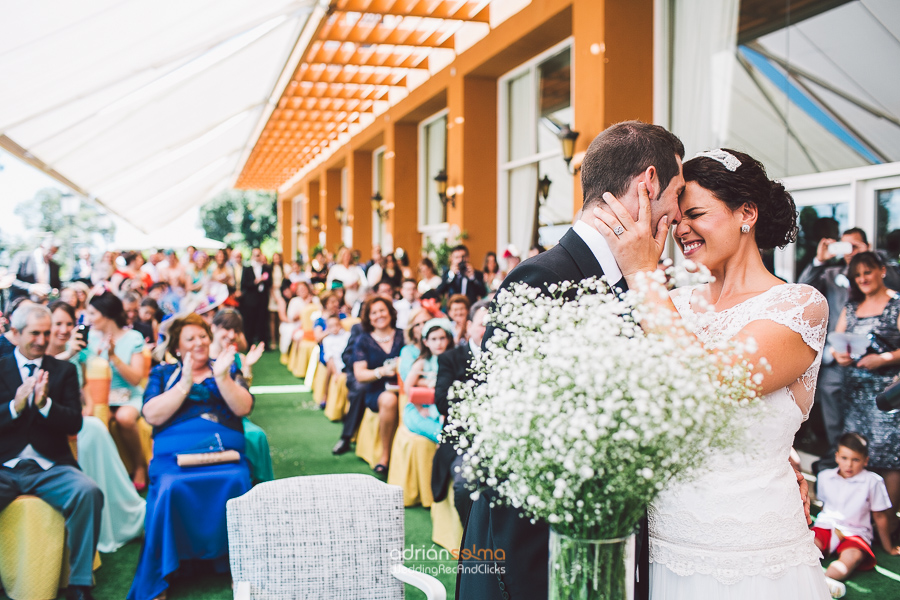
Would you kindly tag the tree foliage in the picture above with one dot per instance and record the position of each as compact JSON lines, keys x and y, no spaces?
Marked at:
{"x":240,"y":217}
{"x":43,"y":216}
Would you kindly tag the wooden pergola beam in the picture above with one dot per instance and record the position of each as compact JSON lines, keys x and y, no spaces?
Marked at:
{"x":375,"y":57}
{"x":388,"y":36}
{"x":321,"y":72}
{"x":468,"y":11}
{"x":333,"y":90}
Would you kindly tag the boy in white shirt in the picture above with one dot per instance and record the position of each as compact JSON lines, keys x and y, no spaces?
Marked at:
{"x":408,"y":302}
{"x":853,"y":497}
{"x":333,"y":344}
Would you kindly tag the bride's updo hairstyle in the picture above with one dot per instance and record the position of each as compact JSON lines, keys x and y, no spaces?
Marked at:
{"x":776,"y":224}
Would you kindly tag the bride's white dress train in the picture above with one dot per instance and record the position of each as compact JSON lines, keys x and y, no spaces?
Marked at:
{"x":739,"y":531}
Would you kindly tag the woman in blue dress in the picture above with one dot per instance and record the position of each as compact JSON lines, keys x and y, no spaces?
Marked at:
{"x":375,"y":358}
{"x":194,"y":406}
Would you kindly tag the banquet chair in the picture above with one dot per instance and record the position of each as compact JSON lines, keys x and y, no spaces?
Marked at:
{"x":302,"y":350}
{"x":336,"y":401}
{"x":411,"y":458}
{"x":446,"y":527}
{"x":368,"y":438}
{"x":321,"y":537}
{"x":34,"y":561}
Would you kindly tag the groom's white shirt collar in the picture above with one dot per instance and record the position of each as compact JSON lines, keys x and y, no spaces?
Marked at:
{"x":600,"y":249}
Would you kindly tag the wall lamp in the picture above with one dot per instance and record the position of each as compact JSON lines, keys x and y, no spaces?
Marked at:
{"x":340,"y":214}
{"x":446,"y":195}
{"x":544,"y":187}
{"x":380,"y":206}
{"x":567,"y":138}
{"x":314,"y":221}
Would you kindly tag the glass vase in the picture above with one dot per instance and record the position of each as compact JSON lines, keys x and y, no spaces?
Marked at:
{"x":586,"y":569}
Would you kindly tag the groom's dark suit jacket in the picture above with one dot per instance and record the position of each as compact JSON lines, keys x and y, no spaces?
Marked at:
{"x":526,"y":545}
{"x":48,"y":435}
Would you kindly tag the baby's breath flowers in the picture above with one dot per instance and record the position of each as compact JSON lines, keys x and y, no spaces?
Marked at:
{"x":579,"y":418}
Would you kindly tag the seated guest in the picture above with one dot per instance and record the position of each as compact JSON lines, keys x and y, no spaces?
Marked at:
{"x":491,"y":272}
{"x":291,"y":329}
{"x":123,"y":349}
{"x":356,"y":394}
{"x":428,"y":277}
{"x":385,"y":290}
{"x":195,"y":405}
{"x":334,"y":344}
{"x":375,"y":358}
{"x":458,"y":310}
{"x":39,"y":409}
{"x":131,"y":304}
{"x":413,"y":348}
{"x":8,"y":340}
{"x":453,"y":366}
{"x":122,"y":518}
{"x":148,"y":320}
{"x":331,"y":306}
{"x":391,"y":272}
{"x":437,"y":337}
{"x":407,"y":303}
{"x":228,"y":330}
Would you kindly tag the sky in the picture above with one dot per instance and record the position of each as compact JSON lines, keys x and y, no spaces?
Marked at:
{"x":20,"y":181}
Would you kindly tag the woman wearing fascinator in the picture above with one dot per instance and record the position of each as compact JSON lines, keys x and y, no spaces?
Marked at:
{"x":739,"y":529}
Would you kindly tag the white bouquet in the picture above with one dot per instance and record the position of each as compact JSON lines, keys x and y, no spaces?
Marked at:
{"x":578,"y":418}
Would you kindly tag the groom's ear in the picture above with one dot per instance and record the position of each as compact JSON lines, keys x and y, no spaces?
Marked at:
{"x":651,"y":179}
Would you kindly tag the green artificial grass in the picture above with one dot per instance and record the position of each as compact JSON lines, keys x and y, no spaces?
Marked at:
{"x":301,"y":438}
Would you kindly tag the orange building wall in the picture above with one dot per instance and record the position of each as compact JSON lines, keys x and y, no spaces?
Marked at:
{"x":612,"y":81}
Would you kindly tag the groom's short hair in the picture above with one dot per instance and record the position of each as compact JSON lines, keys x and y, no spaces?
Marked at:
{"x":622,"y":152}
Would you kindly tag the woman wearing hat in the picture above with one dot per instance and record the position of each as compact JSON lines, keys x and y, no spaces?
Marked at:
{"x":437,"y":338}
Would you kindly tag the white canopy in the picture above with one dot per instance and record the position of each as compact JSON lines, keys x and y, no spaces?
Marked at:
{"x":148,"y":107}
{"x":821,"y":94}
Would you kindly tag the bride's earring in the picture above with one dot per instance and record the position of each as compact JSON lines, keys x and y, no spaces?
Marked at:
{"x":745,"y":228}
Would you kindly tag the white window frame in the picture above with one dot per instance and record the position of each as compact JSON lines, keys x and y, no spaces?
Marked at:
{"x":435,"y":230}
{"x":346,"y":229}
{"x":860,"y":185}
{"x":378,"y":186}
{"x":504,"y":165}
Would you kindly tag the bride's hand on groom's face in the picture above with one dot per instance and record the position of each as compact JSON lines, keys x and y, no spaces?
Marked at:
{"x":633,"y":243}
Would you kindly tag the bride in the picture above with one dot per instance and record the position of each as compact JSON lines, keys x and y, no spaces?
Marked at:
{"x":739,"y":531}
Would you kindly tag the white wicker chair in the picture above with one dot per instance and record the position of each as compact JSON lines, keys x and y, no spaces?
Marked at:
{"x":325,"y":537}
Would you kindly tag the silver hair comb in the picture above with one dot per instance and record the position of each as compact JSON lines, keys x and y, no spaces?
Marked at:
{"x":726,"y":158}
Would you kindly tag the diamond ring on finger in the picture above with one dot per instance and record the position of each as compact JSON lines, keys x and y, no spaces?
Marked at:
{"x":619,"y":230}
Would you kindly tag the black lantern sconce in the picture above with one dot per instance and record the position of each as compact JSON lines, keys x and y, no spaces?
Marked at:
{"x":380,"y":207}
{"x":567,"y":138}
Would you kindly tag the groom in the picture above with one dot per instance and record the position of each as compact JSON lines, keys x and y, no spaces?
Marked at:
{"x":618,"y":159}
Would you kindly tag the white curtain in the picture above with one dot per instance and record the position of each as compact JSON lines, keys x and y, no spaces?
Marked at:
{"x":703,"y":65}
{"x":436,"y":161}
{"x":522,"y":196}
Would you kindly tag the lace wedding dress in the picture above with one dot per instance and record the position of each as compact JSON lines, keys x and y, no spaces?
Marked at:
{"x":739,"y":530}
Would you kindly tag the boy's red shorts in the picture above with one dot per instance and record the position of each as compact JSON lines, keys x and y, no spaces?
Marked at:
{"x":851,"y":541}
